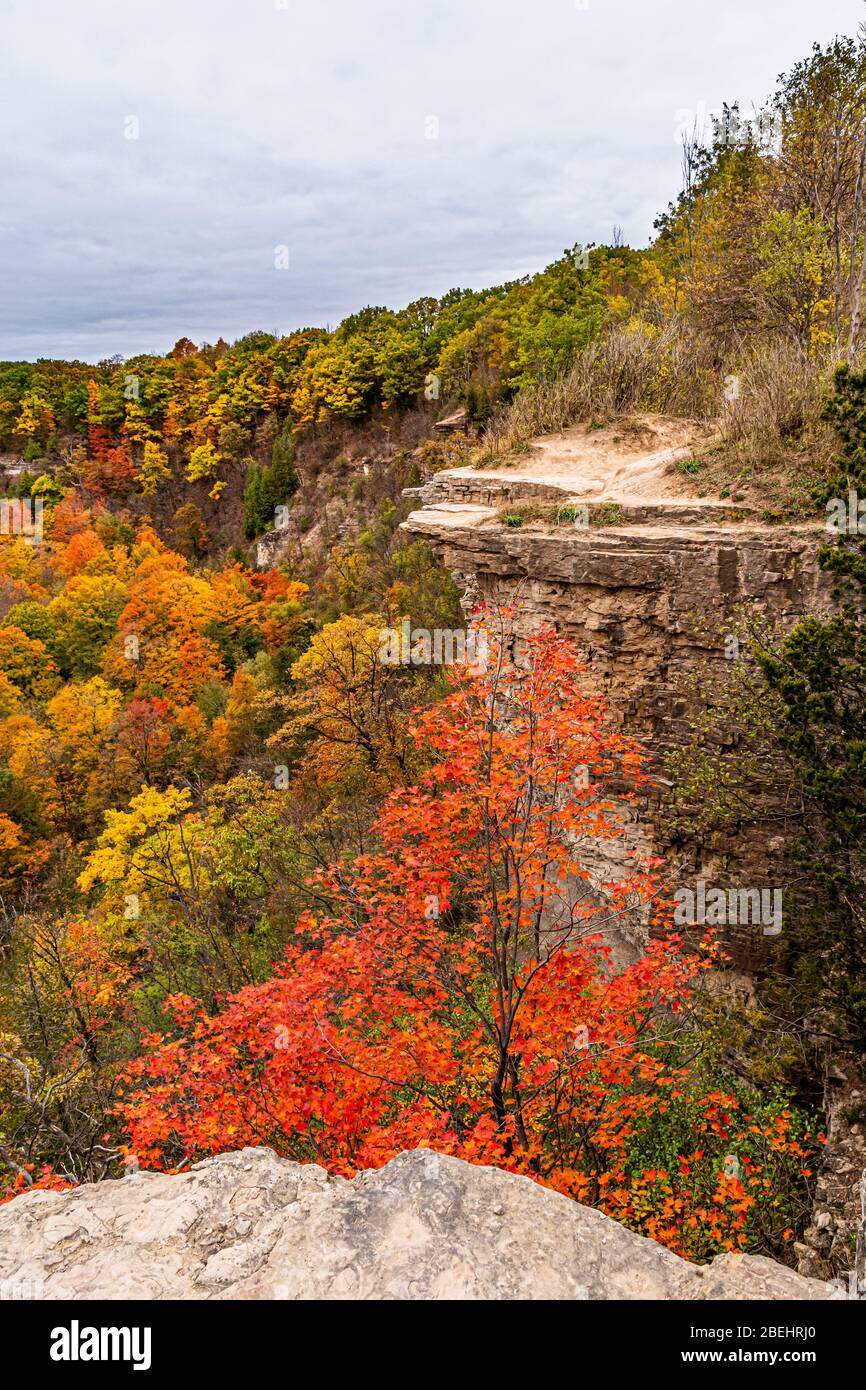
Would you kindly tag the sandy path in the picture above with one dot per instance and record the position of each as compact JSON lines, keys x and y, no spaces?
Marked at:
{"x":625,"y":462}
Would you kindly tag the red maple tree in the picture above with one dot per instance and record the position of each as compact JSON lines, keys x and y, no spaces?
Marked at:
{"x":455,"y":988}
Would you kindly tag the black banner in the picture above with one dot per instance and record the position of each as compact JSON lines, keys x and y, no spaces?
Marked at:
{"x":84,"y":1340}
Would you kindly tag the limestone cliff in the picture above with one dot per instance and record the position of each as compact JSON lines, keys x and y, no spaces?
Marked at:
{"x":592,"y":532}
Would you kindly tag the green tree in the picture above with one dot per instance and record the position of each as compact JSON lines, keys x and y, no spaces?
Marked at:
{"x":254,"y":508}
{"x":270,"y":487}
{"x":785,"y":737}
{"x":281,"y":479}
{"x":86,"y":615}
{"x":36,"y":620}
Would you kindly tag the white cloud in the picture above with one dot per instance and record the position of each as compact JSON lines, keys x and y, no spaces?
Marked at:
{"x":305,"y":126}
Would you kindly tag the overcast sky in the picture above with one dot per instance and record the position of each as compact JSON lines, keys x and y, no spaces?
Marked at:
{"x":159,"y":154}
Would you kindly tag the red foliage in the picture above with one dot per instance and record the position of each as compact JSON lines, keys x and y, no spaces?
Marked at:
{"x":48,"y":1181}
{"x":144,"y":731}
{"x":456,"y":992}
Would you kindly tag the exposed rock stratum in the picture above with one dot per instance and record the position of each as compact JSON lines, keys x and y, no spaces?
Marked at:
{"x":254,"y":1226}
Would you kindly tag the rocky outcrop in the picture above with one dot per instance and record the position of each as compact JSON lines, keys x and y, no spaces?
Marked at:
{"x":250,"y":1225}
{"x":648,"y":605}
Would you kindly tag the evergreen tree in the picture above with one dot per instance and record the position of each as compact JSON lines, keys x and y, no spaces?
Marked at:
{"x":253,"y":502}
{"x":282,"y":480}
{"x":270,"y":487}
{"x":819,"y":677}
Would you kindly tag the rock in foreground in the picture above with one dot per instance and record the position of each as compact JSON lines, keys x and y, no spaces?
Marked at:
{"x":251,"y":1225}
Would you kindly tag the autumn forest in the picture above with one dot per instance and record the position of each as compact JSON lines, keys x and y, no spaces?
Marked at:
{"x":259,"y":886}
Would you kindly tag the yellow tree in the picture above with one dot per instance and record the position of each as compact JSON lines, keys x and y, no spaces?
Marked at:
{"x":203,"y":462}
{"x":81,"y":716}
{"x":86,"y":613}
{"x":153,"y":469}
{"x":27,"y":663}
{"x":352,"y":706}
{"x":793,"y":282}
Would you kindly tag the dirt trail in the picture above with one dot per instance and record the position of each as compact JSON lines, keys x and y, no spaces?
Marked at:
{"x":628,"y":464}
{"x":624,"y":462}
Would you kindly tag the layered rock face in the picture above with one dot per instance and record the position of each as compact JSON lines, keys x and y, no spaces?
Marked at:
{"x":647,"y":582}
{"x":250,"y":1225}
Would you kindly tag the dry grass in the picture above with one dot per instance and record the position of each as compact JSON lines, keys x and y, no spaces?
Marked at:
{"x":627,"y":370}
{"x":770,"y":442}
